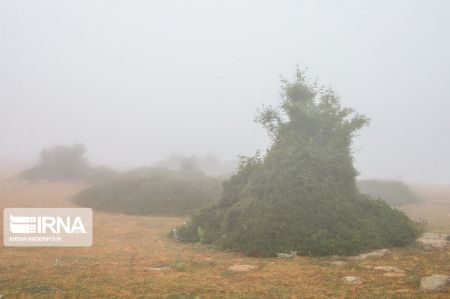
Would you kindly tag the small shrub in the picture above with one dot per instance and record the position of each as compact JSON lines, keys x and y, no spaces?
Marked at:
{"x":180,"y":266}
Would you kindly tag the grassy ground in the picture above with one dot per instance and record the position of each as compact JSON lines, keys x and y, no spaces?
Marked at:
{"x":125,"y":245}
{"x":435,"y":207}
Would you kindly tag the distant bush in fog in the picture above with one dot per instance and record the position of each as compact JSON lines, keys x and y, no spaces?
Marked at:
{"x":209,"y":164}
{"x":395,"y":193}
{"x":101,"y":174}
{"x":150,"y":191}
{"x":66,"y":162}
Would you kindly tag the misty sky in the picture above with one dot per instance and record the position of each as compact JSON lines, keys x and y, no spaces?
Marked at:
{"x":137,"y":80}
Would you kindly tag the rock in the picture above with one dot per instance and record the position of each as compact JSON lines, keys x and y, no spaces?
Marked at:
{"x":376,"y":253}
{"x":287,"y":255}
{"x":389,"y":269}
{"x":353,"y":280}
{"x":435,"y":282}
{"x":394,"y":274}
{"x":242,"y":268}
{"x":338,"y":263}
{"x":434,"y":240}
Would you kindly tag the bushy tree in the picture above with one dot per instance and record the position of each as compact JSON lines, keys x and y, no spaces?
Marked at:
{"x":67,"y":162}
{"x":60,"y":162}
{"x":302,"y":195}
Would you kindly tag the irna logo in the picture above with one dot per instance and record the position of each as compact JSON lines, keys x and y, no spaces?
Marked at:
{"x":47,"y":227}
{"x":46,"y":224}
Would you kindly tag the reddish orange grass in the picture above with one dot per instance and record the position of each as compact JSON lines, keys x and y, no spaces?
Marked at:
{"x":125,"y":245}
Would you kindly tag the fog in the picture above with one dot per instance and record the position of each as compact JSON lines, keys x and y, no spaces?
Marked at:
{"x":138,"y":80}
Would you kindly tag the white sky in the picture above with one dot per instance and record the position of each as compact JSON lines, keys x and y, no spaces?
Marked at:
{"x":137,"y":80}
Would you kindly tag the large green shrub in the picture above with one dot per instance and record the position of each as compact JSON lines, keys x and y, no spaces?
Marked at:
{"x":395,"y":193}
{"x":147,"y":191}
{"x":302,"y":195}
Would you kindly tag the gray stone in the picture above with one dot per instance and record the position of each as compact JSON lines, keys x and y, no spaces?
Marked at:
{"x":353,"y":280}
{"x":434,"y":240}
{"x":435,"y":282}
{"x":376,"y":253}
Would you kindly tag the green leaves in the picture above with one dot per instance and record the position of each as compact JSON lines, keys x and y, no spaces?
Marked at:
{"x":301,"y":196}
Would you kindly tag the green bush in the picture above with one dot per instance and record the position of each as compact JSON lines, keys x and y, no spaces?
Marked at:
{"x":395,"y":193}
{"x":302,"y":195}
{"x":147,"y":191}
{"x":209,"y":164}
{"x":66,"y":162}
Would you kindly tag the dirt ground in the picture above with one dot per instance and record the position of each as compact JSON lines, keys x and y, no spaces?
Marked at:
{"x":132,"y":258}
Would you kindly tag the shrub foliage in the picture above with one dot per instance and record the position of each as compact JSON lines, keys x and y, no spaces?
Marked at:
{"x":147,"y":191}
{"x":66,"y":162}
{"x":302,"y":195}
{"x":395,"y":193}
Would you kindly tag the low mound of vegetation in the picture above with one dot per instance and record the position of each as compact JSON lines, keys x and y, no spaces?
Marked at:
{"x":302,"y":195}
{"x":209,"y":164}
{"x":67,"y":162}
{"x":395,"y":193}
{"x":148,"y":191}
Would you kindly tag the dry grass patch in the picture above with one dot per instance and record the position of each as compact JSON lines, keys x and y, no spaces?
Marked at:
{"x":124,"y":246}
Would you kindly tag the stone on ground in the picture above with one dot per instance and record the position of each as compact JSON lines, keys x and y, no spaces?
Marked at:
{"x":353,"y":280}
{"x":435,"y":282}
{"x":376,"y":253}
{"x":434,"y":240}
